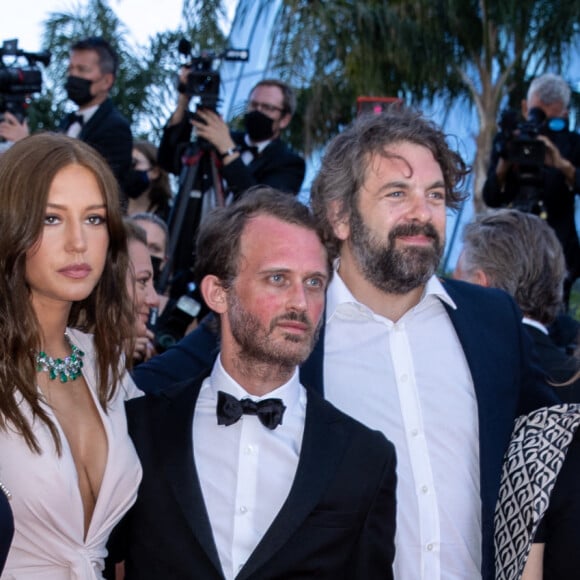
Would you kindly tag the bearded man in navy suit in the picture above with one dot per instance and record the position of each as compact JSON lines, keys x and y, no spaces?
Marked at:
{"x":247,"y":475}
{"x":442,"y":367}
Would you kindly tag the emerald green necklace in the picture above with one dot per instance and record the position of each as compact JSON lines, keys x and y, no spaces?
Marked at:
{"x":67,"y":369}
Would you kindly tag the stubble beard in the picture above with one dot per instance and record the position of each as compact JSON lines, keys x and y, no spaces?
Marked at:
{"x":257,"y":345}
{"x":390,"y":269}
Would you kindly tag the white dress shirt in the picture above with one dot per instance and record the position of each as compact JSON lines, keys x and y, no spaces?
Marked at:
{"x":410,"y":380}
{"x":245,"y":470}
{"x":75,"y":128}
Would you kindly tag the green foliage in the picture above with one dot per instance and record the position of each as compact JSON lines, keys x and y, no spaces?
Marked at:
{"x":144,"y":89}
{"x":418,"y":50}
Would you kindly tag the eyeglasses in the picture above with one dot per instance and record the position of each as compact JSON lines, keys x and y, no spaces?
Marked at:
{"x":263,"y":107}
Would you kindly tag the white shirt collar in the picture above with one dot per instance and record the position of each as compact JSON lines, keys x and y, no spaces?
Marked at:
{"x":289,"y":392}
{"x":339,"y":294}
{"x":535,"y":324}
{"x":86,"y":114}
{"x":260,"y":146}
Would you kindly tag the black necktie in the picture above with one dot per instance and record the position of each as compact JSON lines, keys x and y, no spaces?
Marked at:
{"x":74,"y":118}
{"x":229,"y":410}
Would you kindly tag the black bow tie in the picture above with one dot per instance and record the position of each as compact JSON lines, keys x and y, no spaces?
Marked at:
{"x":229,"y":410}
{"x":252,"y":149}
{"x":74,"y":118}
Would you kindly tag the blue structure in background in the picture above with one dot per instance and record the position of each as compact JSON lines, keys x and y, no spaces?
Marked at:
{"x":253,"y":28}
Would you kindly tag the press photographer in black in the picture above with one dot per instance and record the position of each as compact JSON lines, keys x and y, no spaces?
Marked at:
{"x":256,"y":157}
{"x":534,"y":165}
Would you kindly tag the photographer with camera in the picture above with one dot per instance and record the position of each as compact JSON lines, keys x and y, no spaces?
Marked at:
{"x":91,"y":73}
{"x":258,"y":156}
{"x":534,"y":165}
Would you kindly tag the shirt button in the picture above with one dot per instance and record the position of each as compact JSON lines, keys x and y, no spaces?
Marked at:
{"x":243,"y":509}
{"x":424,"y":489}
{"x":415,"y":432}
{"x":429,"y":547}
{"x":249,"y":450}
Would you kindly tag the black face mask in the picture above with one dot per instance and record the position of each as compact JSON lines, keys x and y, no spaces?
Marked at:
{"x":156,"y":263}
{"x":136,"y":183}
{"x":259,"y":127}
{"x":78,"y":90}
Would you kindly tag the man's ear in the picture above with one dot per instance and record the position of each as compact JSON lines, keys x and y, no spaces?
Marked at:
{"x":214,"y":294}
{"x":339,"y":220}
{"x":109,"y":80}
{"x":481,"y":278}
{"x":285,"y":121}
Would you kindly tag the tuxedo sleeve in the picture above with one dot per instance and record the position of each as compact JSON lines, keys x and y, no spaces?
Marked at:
{"x":374,"y":553}
{"x":286,"y":174}
{"x":194,"y":353}
{"x":173,"y":142}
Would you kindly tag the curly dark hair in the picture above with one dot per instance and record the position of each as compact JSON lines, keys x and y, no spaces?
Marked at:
{"x":344,"y":166}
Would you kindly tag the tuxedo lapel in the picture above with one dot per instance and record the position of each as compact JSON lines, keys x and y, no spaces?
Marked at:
{"x":175,"y":449}
{"x":322,"y":447}
{"x":100,"y":114}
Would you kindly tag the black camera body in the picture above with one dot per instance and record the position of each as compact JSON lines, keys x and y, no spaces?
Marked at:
{"x":18,"y":82}
{"x":203,"y":80}
{"x":517,"y":143}
{"x":170,"y":327}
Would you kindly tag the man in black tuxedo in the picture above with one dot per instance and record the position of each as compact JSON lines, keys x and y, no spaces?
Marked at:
{"x":256,"y":157}
{"x":279,"y":484}
{"x":519,"y":253}
{"x":91,"y":73}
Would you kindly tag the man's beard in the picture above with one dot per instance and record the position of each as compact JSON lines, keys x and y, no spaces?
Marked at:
{"x":256,"y":343}
{"x":393,"y":270}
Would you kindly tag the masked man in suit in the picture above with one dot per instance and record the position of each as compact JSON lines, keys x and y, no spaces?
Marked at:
{"x":442,"y":367}
{"x":257,"y":156}
{"x":91,"y":74}
{"x":247,"y":475}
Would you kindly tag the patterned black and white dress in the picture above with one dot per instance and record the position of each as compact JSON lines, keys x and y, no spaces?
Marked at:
{"x":539,"y":490}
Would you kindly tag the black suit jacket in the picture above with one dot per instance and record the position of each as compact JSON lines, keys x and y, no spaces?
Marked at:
{"x":506,"y":378}
{"x":110,"y":134}
{"x":337,"y":522}
{"x":277,"y":166}
{"x":559,"y":366}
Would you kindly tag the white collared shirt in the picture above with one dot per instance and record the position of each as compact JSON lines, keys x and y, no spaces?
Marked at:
{"x":535,"y":324}
{"x":245,"y":470}
{"x":248,"y":156}
{"x":410,"y":380}
{"x":75,"y":129}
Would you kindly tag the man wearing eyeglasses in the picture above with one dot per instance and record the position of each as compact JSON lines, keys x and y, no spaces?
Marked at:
{"x":257,"y":156}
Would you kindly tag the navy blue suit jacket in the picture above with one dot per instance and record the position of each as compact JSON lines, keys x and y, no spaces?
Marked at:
{"x":507,"y":381}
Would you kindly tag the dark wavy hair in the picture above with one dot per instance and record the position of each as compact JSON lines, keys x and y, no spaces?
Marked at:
{"x":344,"y":167}
{"x":27,"y":171}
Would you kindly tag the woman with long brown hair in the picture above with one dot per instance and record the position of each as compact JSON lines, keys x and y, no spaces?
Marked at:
{"x":65,"y":315}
